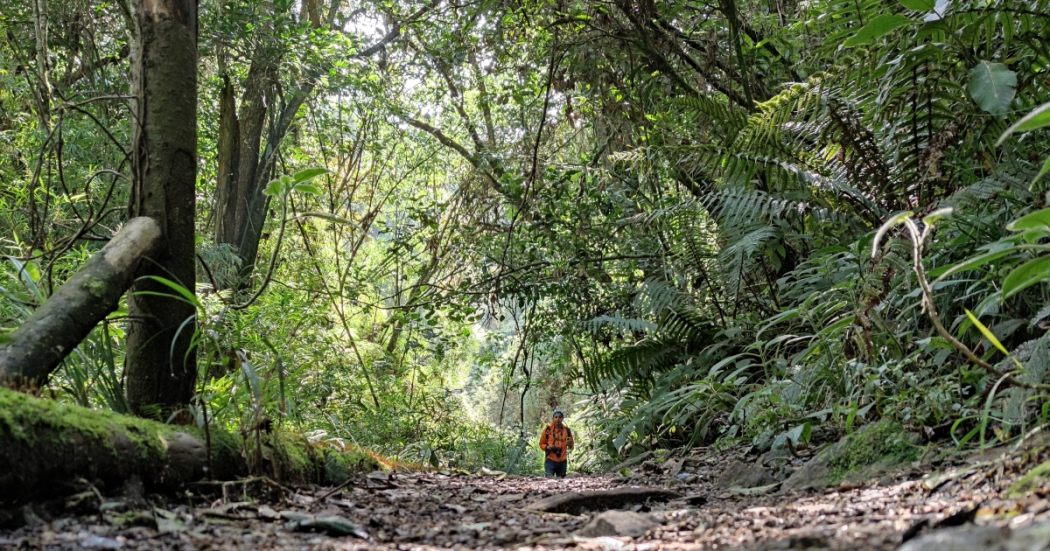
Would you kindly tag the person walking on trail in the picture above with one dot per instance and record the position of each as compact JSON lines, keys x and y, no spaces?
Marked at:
{"x":556,"y":441}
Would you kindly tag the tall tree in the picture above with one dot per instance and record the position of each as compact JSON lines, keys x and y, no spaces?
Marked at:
{"x":161,"y":368}
{"x":253,"y":126}
{"x":247,"y":146}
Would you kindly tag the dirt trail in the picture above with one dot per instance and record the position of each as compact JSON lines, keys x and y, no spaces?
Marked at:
{"x":430,"y":510}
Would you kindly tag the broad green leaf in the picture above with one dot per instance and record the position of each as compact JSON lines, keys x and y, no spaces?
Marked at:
{"x":1038,"y":220}
{"x":308,"y":174}
{"x":918,"y":5}
{"x":307,"y":188}
{"x":1033,"y":236}
{"x":986,"y":332}
{"x":274,"y":188}
{"x":800,"y":433}
{"x":1043,"y":172}
{"x":1026,"y":275}
{"x":1032,"y":121}
{"x":971,"y":263}
{"x":992,"y":87}
{"x":32,"y":271}
{"x":875,"y":28}
{"x":186,"y":293}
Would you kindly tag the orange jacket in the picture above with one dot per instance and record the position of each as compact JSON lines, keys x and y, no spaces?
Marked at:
{"x":560,"y":437}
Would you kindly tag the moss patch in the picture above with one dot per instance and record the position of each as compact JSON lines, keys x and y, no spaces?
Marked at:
{"x":883,"y":443}
{"x":96,"y":287}
{"x":296,"y":459}
{"x":45,"y":445}
{"x":47,"y":424}
{"x":872,"y":451}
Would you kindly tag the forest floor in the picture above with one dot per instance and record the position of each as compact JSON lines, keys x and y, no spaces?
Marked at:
{"x":426,"y":510}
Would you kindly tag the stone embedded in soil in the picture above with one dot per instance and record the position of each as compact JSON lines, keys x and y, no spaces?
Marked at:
{"x":963,"y":538}
{"x":983,"y":538}
{"x":618,"y":523}
{"x":868,"y":453}
{"x":577,"y":502}
{"x":741,"y":475}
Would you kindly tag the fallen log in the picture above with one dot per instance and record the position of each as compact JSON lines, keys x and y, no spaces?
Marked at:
{"x":47,"y":448}
{"x":575,"y":503}
{"x":54,"y":329}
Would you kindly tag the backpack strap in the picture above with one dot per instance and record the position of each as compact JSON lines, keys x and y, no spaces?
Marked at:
{"x":547,"y":431}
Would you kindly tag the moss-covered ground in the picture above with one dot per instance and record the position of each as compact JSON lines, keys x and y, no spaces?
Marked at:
{"x":883,"y":443}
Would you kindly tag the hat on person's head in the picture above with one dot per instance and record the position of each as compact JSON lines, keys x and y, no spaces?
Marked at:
{"x":557,"y":412}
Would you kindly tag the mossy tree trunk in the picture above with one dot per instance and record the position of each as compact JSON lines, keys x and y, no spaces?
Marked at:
{"x":47,"y":448}
{"x":54,"y":329}
{"x":161,"y":367}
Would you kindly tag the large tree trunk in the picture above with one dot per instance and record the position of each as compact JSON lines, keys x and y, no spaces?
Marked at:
{"x":239,"y":177}
{"x":47,"y":447}
{"x":224,"y":212}
{"x":161,"y":367}
{"x":244,"y":169}
{"x":54,"y":329}
{"x":248,"y":143}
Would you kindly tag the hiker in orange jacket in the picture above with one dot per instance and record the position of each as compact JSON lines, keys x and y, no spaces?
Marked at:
{"x":556,"y":441}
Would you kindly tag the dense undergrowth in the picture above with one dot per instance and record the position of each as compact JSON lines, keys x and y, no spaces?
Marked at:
{"x":785,"y":309}
{"x":666,"y":219}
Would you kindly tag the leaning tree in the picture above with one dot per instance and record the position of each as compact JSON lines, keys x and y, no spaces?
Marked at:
{"x":154,"y":253}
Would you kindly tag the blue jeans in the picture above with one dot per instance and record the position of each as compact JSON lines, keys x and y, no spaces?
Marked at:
{"x":554,"y":468}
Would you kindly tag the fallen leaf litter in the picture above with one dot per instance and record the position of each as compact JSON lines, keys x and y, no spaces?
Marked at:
{"x":430,"y":510}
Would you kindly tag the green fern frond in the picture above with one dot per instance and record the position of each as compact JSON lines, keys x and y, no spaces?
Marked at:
{"x":635,"y":362}
{"x":619,"y":324}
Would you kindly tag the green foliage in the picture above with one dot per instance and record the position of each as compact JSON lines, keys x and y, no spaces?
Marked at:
{"x":796,"y":194}
{"x":992,"y":87}
{"x":1038,"y":118}
{"x":676,"y":224}
{"x":881,"y":25}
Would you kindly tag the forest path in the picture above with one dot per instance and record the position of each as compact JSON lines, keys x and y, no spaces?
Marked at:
{"x":406,"y":511}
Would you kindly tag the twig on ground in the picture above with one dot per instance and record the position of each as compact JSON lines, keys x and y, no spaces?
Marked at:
{"x":336,"y":489}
